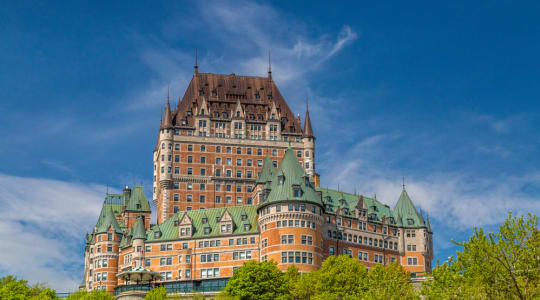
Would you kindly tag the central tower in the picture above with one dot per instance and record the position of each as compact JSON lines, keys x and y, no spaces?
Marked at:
{"x":212,"y":144}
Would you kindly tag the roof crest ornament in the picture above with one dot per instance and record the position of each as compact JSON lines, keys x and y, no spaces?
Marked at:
{"x":196,"y":63}
{"x":269,"y":67}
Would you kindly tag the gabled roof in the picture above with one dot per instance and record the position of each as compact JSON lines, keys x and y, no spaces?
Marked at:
{"x":169,"y":231}
{"x":138,"y":229}
{"x":267,"y":171}
{"x":106,"y":220}
{"x":406,"y":213}
{"x":137,"y":201}
{"x":293,"y":176}
{"x":374,"y":207}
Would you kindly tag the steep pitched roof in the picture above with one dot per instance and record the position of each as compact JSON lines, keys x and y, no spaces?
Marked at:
{"x":138,"y":229}
{"x":293,"y":176}
{"x":406,"y":213}
{"x":308,"y":130}
{"x":331,"y":199}
{"x":222,"y":92}
{"x":137,"y":201}
{"x":267,"y":171}
{"x":169,"y":229}
{"x":106,"y":220}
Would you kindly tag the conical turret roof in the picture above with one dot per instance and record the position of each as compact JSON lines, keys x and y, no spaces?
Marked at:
{"x":308,"y":130}
{"x":106,"y":220}
{"x":138,"y":229}
{"x":267,"y":171}
{"x":167,"y":118}
{"x":290,"y":176}
{"x":406,"y":213}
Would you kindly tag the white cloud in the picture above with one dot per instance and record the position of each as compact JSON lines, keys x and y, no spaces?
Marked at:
{"x":42,"y":228}
{"x":246,"y":32}
{"x":458,"y":199}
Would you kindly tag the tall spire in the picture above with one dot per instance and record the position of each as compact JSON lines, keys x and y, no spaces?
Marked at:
{"x":269,"y":67}
{"x":308,"y":130}
{"x":196,"y":63}
{"x":167,"y":118}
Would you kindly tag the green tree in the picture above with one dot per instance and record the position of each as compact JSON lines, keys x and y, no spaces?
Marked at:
{"x":257,"y":281}
{"x":93,"y":295}
{"x":390,"y":282}
{"x":159,"y":293}
{"x":501,"y":265}
{"x":340,"y":277}
{"x":13,"y":289}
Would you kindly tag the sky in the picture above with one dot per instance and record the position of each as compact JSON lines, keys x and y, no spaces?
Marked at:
{"x":442,"y":96}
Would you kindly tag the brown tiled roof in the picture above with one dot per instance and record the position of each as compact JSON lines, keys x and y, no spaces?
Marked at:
{"x":222,"y":93}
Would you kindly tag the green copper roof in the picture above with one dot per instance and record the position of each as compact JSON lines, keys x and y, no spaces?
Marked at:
{"x":292,"y":177}
{"x":124,"y":243}
{"x":106,"y":220}
{"x":333,"y":199}
{"x":137,"y":201}
{"x":267,"y":171}
{"x":138,"y":229}
{"x":406,"y":213}
{"x":169,"y":231}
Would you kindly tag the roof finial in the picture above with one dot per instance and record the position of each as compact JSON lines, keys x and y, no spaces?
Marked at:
{"x":269,"y":67}
{"x":403,"y":182}
{"x":168,"y":92}
{"x":196,"y":63}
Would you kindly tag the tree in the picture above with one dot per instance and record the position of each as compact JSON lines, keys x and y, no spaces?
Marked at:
{"x":13,"y":289}
{"x":391,"y":282}
{"x":159,"y":293}
{"x":340,"y":277}
{"x":93,"y":295}
{"x":258,"y":281}
{"x":502,"y":265}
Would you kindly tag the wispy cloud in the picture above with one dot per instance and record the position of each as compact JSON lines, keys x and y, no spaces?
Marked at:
{"x":456,"y":199}
{"x":247,"y":32}
{"x":42,"y":227}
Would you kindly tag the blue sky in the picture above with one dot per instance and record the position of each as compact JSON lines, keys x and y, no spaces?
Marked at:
{"x":443,"y":94}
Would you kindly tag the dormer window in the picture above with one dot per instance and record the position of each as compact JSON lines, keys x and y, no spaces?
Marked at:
{"x":176,"y":223}
{"x":281,"y":179}
{"x":244,"y":217}
{"x":296,"y":192}
{"x":204,"y":220}
{"x":138,"y":206}
{"x":218,"y":219}
{"x":157,"y":234}
{"x":238,"y":114}
{"x":410,"y":221}
{"x":247,"y":227}
{"x":207,"y":230}
{"x":374,"y":208}
{"x":202,"y":111}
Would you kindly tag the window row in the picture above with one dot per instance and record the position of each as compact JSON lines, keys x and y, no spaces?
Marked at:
{"x":241,"y":255}
{"x":296,"y":257}
{"x":296,"y":223}
{"x":358,"y":239}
